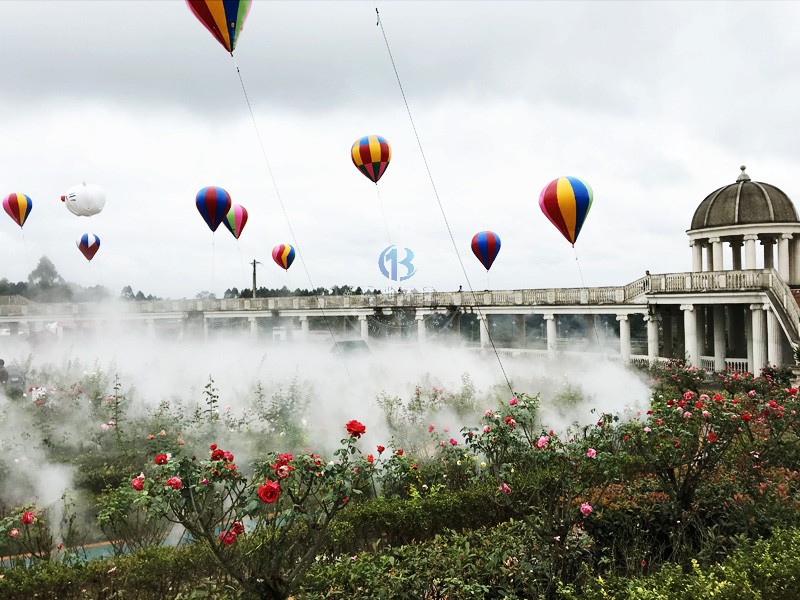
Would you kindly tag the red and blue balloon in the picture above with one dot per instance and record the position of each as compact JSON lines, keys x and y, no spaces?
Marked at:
{"x":486,"y":247}
{"x":213,"y":203}
{"x":88,"y":244}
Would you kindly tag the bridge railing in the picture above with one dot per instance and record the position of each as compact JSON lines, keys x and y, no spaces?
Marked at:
{"x":634,"y":292}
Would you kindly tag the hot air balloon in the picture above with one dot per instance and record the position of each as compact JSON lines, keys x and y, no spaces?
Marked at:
{"x":88,"y":244}
{"x":84,"y":200}
{"x":283,"y":255}
{"x":213,"y":203}
{"x":566,"y":202}
{"x":18,"y":206}
{"x":371,"y":154}
{"x":223,"y":19}
{"x":486,"y":246}
{"x":235,"y":220}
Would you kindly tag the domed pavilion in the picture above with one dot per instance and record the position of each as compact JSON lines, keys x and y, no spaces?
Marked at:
{"x":746,"y":213}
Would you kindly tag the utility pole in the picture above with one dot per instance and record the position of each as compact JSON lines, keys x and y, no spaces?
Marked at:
{"x":255,"y":262}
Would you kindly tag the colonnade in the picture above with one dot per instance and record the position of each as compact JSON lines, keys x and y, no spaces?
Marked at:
{"x":708,"y":253}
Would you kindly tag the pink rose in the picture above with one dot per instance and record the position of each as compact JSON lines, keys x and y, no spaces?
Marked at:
{"x":542,"y":442}
{"x":504,"y":488}
{"x":586,"y":509}
{"x":13,"y":533}
{"x":591,"y":453}
{"x":513,"y":401}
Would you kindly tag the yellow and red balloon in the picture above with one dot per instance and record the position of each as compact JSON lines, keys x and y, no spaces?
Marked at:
{"x":566,"y":202}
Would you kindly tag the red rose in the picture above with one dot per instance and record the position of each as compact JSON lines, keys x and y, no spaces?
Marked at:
{"x":269,"y":492}
{"x":227,"y":537}
{"x":237,"y":528}
{"x":355,"y":429}
{"x":370,"y":458}
{"x":175,"y":483}
{"x":746,"y":417}
{"x":217,"y":454}
{"x":381,"y":449}
{"x":28,"y":517}
{"x":138,"y":483}
{"x":400,"y":452}
{"x":712,"y":437}
{"x":212,"y":447}
{"x":161,"y":459}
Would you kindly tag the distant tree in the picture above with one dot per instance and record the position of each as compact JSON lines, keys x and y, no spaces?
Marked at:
{"x":139,"y":295}
{"x":206,"y":295}
{"x":126,"y":293}
{"x":46,"y":285}
{"x":231,"y":293}
{"x":8,"y":288}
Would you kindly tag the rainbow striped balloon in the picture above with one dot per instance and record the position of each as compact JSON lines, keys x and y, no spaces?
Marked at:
{"x":566,"y":202}
{"x":18,"y":206}
{"x":235,"y":220}
{"x":371,"y":155}
{"x":486,"y":246}
{"x":224,"y":19}
{"x":213,"y":203}
{"x":88,"y":244}
{"x":283,"y":256}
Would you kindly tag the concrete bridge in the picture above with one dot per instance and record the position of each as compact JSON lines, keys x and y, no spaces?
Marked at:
{"x":743,"y":319}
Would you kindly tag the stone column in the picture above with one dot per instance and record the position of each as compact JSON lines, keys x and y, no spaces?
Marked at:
{"x":769,"y":261}
{"x":794,"y":261}
{"x":719,"y":338}
{"x":691,"y":343}
{"x":783,"y":257}
{"x":362,"y":321}
{"x":288,"y":327}
{"x":700,"y":320}
{"x":774,"y":338}
{"x":748,"y":339}
{"x":750,"y":251}
{"x":253,"y":327}
{"x":521,"y":330}
{"x":759,"y":342}
{"x":421,"y":333}
{"x":709,"y":266}
{"x":205,"y":329}
{"x":730,"y":334}
{"x":736,"y":255}
{"x":697,"y":255}
{"x":652,"y":338}
{"x":666,"y":325}
{"x":483,"y":322}
{"x":552,"y":335}
{"x":304,"y":329}
{"x":151,"y":328}
{"x":624,"y":337}
{"x":716,"y":254}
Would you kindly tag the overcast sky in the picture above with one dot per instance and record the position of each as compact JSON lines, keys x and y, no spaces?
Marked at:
{"x":655,"y":105}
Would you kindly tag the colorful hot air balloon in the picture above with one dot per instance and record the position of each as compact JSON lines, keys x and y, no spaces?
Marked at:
{"x":18,"y":206}
{"x":224,"y":19}
{"x":371,"y":154}
{"x":283,"y":255}
{"x":213,"y":203}
{"x":566,"y":202}
{"x":235,"y":220}
{"x":486,"y":246}
{"x":88,"y":244}
{"x":84,"y":200}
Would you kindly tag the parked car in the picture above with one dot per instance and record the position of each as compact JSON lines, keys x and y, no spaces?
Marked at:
{"x":15,"y":386}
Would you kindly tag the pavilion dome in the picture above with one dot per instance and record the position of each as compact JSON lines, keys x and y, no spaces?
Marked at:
{"x":744,"y":202}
